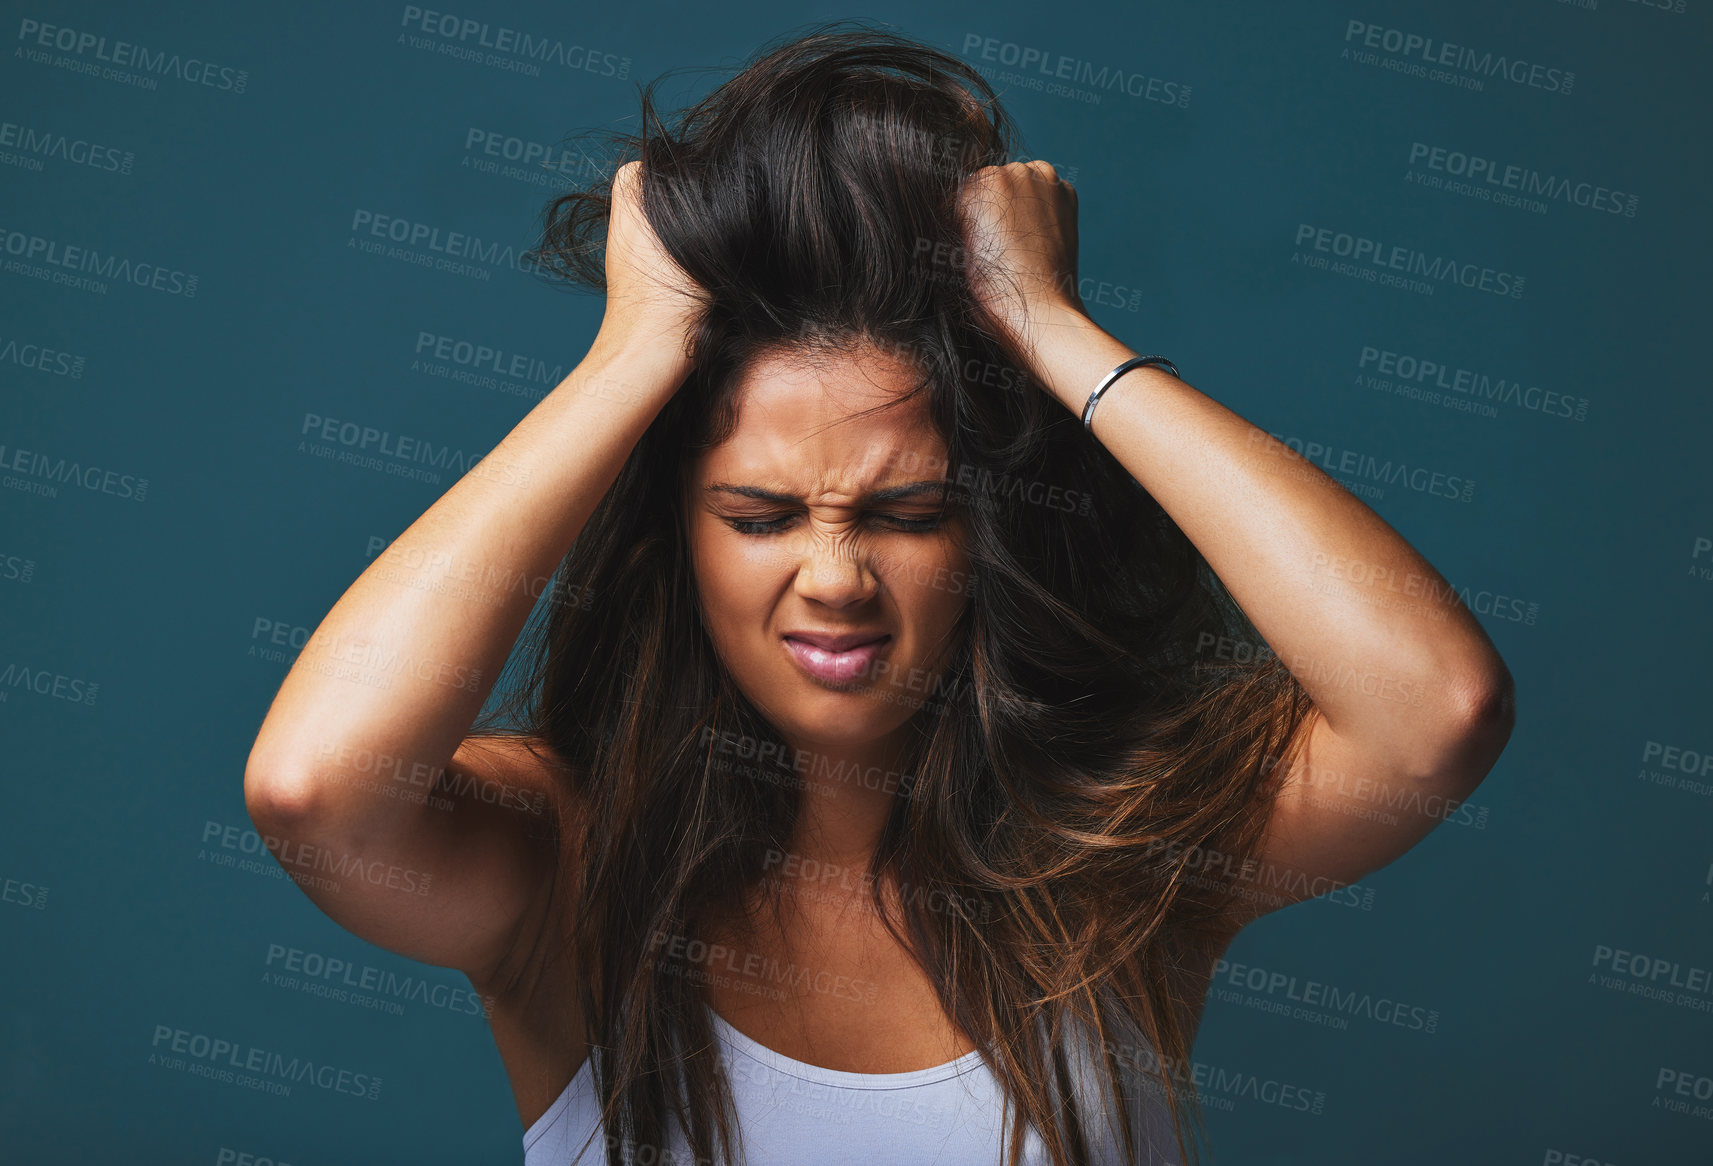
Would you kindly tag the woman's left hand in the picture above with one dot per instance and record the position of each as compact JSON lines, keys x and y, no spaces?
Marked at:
{"x":1020,"y":246}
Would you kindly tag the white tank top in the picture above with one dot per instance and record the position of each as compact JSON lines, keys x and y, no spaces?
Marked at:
{"x":795,"y":1114}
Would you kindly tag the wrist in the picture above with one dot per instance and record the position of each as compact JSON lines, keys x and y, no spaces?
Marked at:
{"x":1071,"y":353}
{"x":660,"y":346}
{"x":631,"y":368}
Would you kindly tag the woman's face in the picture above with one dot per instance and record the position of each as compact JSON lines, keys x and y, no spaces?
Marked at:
{"x":830,"y":581}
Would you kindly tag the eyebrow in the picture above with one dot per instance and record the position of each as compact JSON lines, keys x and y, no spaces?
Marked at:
{"x":889,"y":494}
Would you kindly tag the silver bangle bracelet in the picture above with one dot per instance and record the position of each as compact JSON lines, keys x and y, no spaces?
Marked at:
{"x":1133,"y":362}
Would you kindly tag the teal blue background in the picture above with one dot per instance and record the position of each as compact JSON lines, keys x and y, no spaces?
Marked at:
{"x":1594,"y":522}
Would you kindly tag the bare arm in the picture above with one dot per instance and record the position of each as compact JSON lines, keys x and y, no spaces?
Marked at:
{"x":1410,"y":697}
{"x":404,"y":660}
{"x":382,"y":696}
{"x":1412,"y":703}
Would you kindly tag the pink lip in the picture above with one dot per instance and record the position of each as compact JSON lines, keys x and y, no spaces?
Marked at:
{"x":835,"y":659}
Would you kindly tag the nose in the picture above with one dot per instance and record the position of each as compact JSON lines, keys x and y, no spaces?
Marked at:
{"x":834,"y":573}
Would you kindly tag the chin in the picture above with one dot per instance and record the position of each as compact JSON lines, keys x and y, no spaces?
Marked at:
{"x":841,"y":720}
{"x":836,"y":718}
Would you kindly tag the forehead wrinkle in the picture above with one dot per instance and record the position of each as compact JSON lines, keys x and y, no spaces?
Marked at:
{"x":820,"y":492}
{"x":856,"y":474}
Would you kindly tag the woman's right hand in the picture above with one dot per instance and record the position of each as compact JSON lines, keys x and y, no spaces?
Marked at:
{"x":650,"y":300}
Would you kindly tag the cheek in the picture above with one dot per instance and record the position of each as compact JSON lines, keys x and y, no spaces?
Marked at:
{"x":735,"y":578}
{"x":931,"y":582}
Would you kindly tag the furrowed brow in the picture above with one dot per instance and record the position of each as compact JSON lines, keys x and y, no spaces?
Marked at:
{"x":889,"y":494}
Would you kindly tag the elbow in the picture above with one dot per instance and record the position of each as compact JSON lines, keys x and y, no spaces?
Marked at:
{"x":276,"y":794}
{"x":1487,"y":704}
{"x":1484,"y":713}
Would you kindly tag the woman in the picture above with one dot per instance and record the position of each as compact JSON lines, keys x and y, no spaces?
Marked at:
{"x":892,"y":762}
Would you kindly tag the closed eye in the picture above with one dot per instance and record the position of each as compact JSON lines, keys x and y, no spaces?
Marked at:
{"x":911,"y":524}
{"x":758,"y":526}
{"x":764,"y":526}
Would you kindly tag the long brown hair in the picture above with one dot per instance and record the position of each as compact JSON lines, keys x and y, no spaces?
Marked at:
{"x":1079,"y":751}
